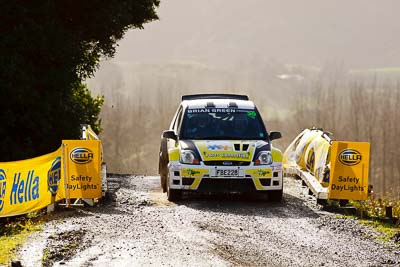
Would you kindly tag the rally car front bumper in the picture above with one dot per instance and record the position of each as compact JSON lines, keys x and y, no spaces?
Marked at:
{"x":203,"y":178}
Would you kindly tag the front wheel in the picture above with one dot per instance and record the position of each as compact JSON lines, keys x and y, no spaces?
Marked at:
{"x":163,"y":164}
{"x":275,"y":195}
{"x":163,"y":179}
{"x":173,"y":194}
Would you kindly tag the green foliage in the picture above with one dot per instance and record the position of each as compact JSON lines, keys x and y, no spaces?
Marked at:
{"x":46,"y":49}
{"x":86,"y":108}
{"x":372,"y":213}
{"x":388,"y":230}
{"x":376,"y":208}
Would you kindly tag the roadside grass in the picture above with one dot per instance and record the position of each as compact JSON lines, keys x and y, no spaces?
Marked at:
{"x":376,"y":208}
{"x":13,"y":234}
{"x":388,"y":230}
{"x":372,"y":213}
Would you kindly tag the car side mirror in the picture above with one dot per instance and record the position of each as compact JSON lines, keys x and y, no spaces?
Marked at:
{"x":275,"y":135}
{"x":170,"y":135}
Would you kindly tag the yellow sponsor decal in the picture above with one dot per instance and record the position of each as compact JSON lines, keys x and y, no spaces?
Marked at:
{"x":242,"y":156}
{"x":349,"y":170}
{"x":224,"y":150}
{"x":83,"y":161}
{"x":193,"y":172}
{"x":29,"y":185}
{"x":260,"y":172}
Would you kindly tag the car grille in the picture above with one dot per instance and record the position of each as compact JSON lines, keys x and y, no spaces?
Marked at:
{"x":226,"y":185}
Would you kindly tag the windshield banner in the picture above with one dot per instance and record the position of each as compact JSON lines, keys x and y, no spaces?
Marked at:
{"x":220,"y":110}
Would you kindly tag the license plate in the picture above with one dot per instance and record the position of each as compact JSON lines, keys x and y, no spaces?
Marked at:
{"x":227,"y":173}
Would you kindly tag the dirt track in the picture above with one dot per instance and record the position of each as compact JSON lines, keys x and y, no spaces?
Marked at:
{"x":143,"y":228}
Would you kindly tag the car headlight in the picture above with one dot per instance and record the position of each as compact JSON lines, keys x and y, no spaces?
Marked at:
{"x":188,"y":157}
{"x":263,"y":158}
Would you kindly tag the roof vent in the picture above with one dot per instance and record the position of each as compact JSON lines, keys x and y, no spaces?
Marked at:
{"x":210,"y":105}
{"x":232,"y":105}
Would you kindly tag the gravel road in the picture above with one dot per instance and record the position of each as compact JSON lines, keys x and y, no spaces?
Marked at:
{"x":142,"y":228}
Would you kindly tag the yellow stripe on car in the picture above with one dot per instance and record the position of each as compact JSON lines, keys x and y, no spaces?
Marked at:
{"x":196,"y":183}
{"x":258,"y":184}
{"x":193,"y":172}
{"x":259,"y":172}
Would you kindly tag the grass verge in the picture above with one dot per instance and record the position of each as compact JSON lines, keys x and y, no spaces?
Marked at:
{"x":388,"y":230}
{"x":13,"y":234}
{"x":372,"y":213}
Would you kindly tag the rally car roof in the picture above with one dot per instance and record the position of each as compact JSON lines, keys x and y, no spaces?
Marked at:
{"x":217,"y":101}
{"x":215,"y":96}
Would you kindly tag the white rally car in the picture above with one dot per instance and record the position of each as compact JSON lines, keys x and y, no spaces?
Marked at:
{"x":219,"y":143}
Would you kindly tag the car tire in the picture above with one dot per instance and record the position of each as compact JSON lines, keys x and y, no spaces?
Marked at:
{"x":275,"y":195}
{"x":163,"y":183}
{"x":173,"y":194}
{"x":163,"y":164}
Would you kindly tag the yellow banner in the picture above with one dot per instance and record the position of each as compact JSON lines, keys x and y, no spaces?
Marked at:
{"x":225,"y":150}
{"x":30,"y":185}
{"x":349,"y":170}
{"x":83,"y":166}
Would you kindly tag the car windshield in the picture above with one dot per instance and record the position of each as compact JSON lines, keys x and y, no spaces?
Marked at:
{"x":222,"y":124}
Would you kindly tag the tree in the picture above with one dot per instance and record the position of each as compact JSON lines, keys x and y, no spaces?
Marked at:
{"x":46,"y":49}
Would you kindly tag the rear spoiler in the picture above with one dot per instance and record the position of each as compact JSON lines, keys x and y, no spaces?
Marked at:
{"x":215,"y":96}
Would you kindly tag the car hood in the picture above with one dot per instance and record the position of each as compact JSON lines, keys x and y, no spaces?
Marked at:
{"x":229,"y":150}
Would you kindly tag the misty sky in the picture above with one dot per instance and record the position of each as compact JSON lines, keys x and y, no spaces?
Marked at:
{"x":241,"y":46}
{"x":359,"y":33}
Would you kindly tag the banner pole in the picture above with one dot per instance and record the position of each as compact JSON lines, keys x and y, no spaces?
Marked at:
{"x":65,"y":177}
